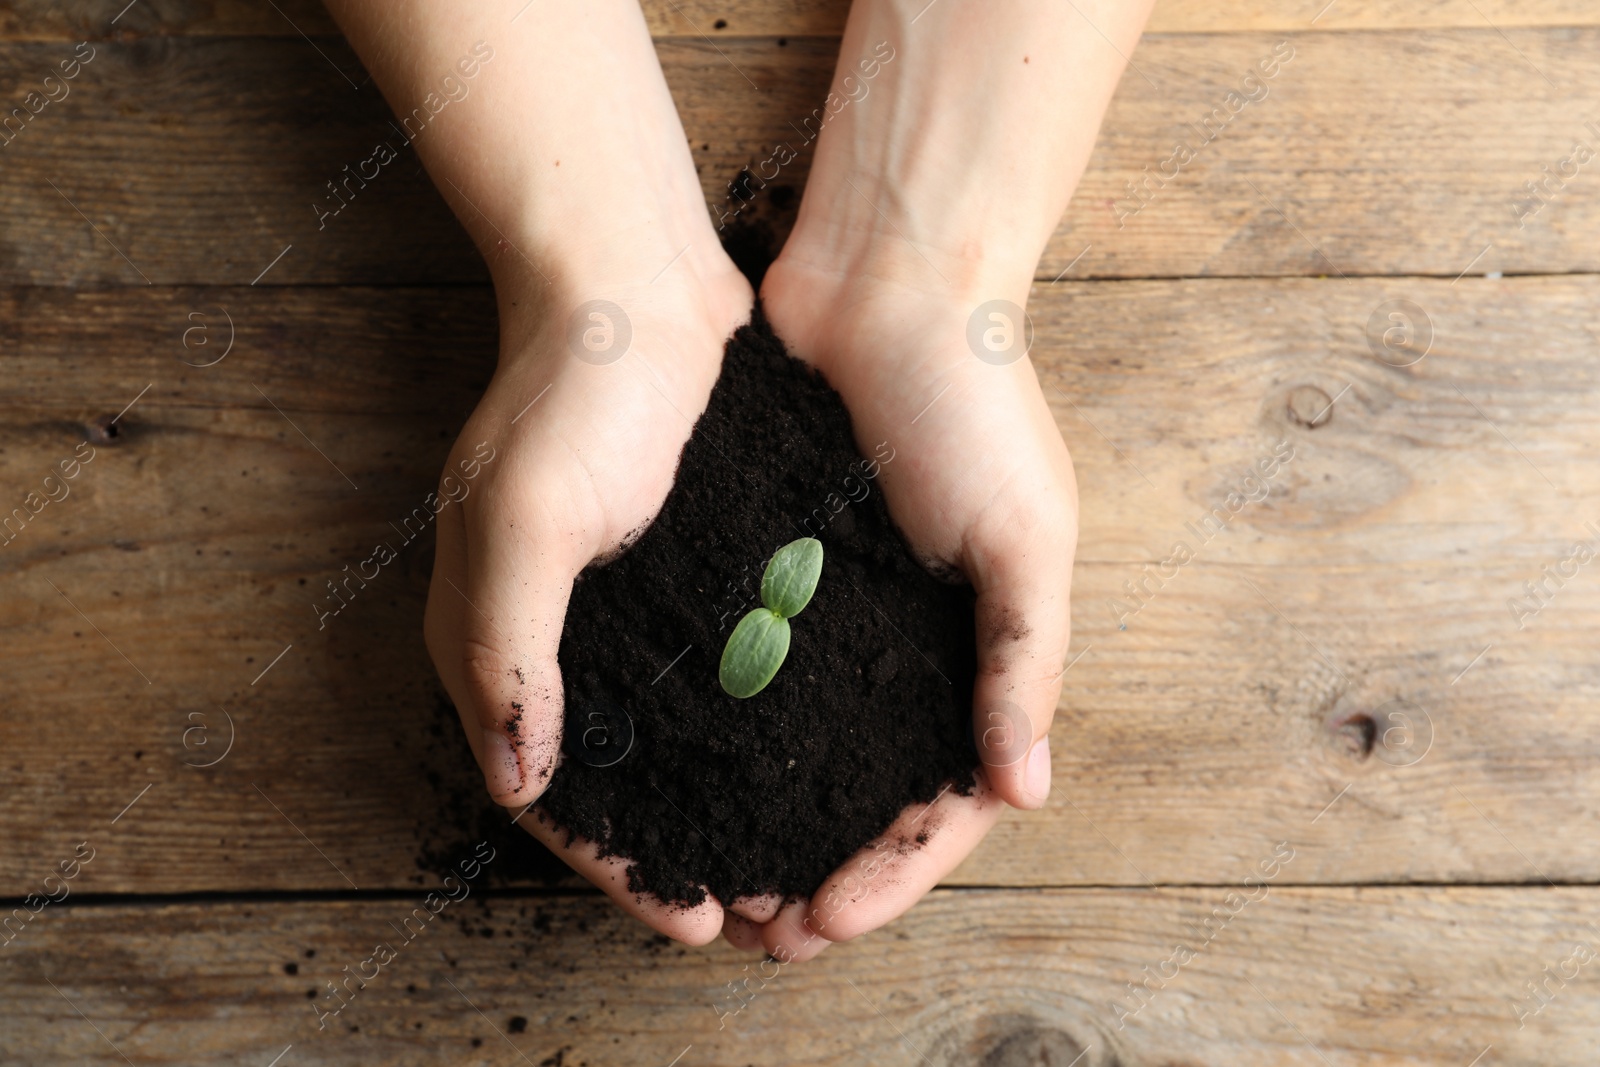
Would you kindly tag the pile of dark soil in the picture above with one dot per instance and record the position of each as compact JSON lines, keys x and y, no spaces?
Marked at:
{"x":870,"y":713}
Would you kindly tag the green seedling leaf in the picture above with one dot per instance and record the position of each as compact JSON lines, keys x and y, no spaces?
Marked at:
{"x":755,"y":651}
{"x":791,"y":577}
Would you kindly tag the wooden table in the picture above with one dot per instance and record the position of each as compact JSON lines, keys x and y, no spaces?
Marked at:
{"x":1349,"y":683}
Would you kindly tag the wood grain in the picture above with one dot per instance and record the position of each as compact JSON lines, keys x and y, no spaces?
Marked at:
{"x":40,"y":20}
{"x":1002,"y":978}
{"x":221,"y":610}
{"x":1197,"y":16}
{"x":1338,"y":674}
{"x":223,"y":146}
{"x":1225,"y":714}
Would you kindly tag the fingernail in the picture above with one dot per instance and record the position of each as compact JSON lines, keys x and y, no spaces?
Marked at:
{"x":500,"y":770}
{"x":1036,"y":778}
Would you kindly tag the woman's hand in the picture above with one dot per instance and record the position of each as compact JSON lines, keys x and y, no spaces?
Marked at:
{"x":981,"y":483}
{"x":551,"y":133}
{"x":575,"y":443}
{"x":948,"y":158}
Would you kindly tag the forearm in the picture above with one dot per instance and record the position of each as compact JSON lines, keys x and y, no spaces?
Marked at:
{"x":968,"y":142}
{"x":561,"y":152}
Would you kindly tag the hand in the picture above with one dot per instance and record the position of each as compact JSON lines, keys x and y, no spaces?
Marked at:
{"x":926,"y":200}
{"x":562,"y":154}
{"x":981,"y":481}
{"x":984,"y":482}
{"x":559,"y":484}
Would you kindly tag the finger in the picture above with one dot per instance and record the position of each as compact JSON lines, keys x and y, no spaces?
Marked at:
{"x":1020,"y":563}
{"x":757,"y":909}
{"x":786,"y":938}
{"x":445,"y":618}
{"x":698,"y":925}
{"x":883,"y":880}
{"x":503,"y":590}
{"x":741,"y":933}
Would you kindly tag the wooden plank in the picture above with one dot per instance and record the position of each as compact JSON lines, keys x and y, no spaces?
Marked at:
{"x":826,"y":17}
{"x":34,"y":20}
{"x":225,"y":473}
{"x":1298,"y":16}
{"x":1381,"y":563}
{"x":221,"y":190}
{"x":1341,"y":168}
{"x":1378,"y":570}
{"x":1300,"y":976}
{"x":37,"y":20}
{"x":1226,"y":214}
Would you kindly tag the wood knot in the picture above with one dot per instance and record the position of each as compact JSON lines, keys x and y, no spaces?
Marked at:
{"x":1354,"y":735}
{"x":1310,"y":406}
{"x":104,"y":430}
{"x":1034,"y":1046}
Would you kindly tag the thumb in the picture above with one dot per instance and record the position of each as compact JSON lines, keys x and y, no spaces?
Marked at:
{"x":1021,"y":567}
{"x":495,"y":611}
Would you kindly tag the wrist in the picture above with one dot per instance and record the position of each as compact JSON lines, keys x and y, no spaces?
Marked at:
{"x":816,"y":277}
{"x":666,"y":261}
{"x":873,"y":264}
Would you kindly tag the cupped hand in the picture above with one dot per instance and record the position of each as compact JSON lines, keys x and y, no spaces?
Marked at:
{"x":980,"y":483}
{"x":571,"y":452}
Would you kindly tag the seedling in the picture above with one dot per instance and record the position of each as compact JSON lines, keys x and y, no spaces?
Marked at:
{"x":758,"y":645}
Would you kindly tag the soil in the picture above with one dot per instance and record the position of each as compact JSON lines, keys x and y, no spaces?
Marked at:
{"x":752,"y":237}
{"x":755,"y":221}
{"x":870,"y":712}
